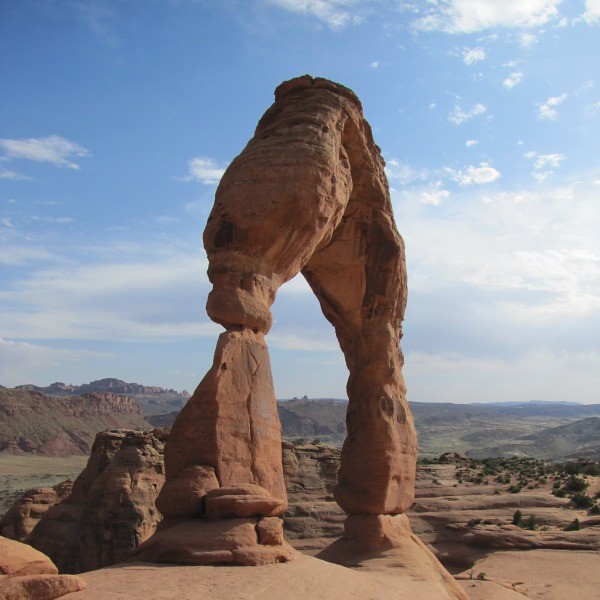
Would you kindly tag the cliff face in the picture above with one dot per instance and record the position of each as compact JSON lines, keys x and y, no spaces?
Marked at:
{"x":31,"y":422}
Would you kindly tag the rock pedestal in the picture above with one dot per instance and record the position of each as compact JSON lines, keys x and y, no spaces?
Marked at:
{"x":308,"y":194}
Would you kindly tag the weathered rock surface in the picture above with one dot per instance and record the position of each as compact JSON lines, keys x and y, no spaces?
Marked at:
{"x":386,"y":542}
{"x":111,"y":509}
{"x":230,"y":423}
{"x":26,"y":574}
{"x":18,"y":559}
{"x":309,"y":194}
{"x":25,"y":514}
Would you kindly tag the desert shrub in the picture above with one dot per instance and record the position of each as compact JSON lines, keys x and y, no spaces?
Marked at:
{"x":474,"y":522}
{"x":481,"y":576}
{"x":531,"y":523}
{"x":559,"y":493}
{"x":576,"y":484}
{"x":514,"y":489}
{"x":582,"y":500}
{"x":573,"y":526}
{"x":517,"y":518}
{"x":595,"y":510}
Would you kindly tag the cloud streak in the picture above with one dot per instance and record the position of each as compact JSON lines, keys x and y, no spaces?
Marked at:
{"x":470,"y":16}
{"x":54,"y":149}
{"x":459,"y":116}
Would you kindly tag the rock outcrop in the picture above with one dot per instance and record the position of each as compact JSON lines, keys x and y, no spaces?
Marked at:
{"x":308,"y":194}
{"x":111,"y":508}
{"x":27,"y":511}
{"x":26,"y":574}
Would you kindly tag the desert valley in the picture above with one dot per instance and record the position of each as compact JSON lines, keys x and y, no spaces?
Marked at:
{"x":509,"y":513}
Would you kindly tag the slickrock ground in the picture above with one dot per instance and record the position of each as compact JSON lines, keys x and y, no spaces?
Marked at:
{"x":304,"y":578}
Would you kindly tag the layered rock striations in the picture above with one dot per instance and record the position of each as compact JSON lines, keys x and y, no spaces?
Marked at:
{"x":31,"y":422}
{"x":308,"y":194}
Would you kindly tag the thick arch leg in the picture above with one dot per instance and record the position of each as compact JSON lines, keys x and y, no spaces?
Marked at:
{"x":360,"y":281}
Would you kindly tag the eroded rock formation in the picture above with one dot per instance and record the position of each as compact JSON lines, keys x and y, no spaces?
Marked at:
{"x":26,"y":512}
{"x":111,"y":508}
{"x":308,"y":194}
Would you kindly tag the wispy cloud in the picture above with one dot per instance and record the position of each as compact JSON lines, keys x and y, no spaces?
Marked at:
{"x":471,"y":143}
{"x":13,"y":175}
{"x":204,"y":169}
{"x":513,"y":79}
{"x":374,"y":64}
{"x":472,"y":175}
{"x":468,"y":16}
{"x":335,"y":13}
{"x":473,"y":55}
{"x":19,"y":359}
{"x":548,"y":108}
{"x":403,"y":173}
{"x":544,"y":164}
{"x":459,"y":116}
{"x":54,"y":149}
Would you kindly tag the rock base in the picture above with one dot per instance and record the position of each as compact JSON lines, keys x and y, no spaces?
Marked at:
{"x":249,"y":542}
{"x":386,"y":543}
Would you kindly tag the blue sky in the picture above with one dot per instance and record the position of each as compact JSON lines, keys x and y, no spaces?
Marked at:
{"x":118,"y":118}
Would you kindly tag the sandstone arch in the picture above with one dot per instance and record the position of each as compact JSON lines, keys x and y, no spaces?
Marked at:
{"x":308,"y":194}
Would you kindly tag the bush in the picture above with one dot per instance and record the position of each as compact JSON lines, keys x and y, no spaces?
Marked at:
{"x":514,"y":489}
{"x":573,"y":526}
{"x":595,"y":510}
{"x":531,"y":523}
{"x":518,"y":518}
{"x":582,"y":501}
{"x":576,"y":484}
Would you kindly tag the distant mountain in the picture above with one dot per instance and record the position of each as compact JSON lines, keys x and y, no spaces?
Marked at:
{"x":573,"y":440}
{"x":152,"y":399}
{"x":477,"y":429}
{"x":31,"y":422}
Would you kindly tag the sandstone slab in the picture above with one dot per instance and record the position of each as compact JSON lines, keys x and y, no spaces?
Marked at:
{"x":20,"y":559}
{"x":40,"y":587}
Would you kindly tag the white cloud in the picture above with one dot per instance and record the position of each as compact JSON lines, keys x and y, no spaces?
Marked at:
{"x":458,"y":116}
{"x":204,"y":169}
{"x":548,"y":110}
{"x":513,"y":79}
{"x":548,"y":160}
{"x":473,"y":55}
{"x":434,"y":197}
{"x":475,"y":175}
{"x":335,"y":13}
{"x":53,"y":149}
{"x":528,"y":39}
{"x":471,"y":143}
{"x":7,"y":223}
{"x":544,"y":163}
{"x":432,"y":105}
{"x":374,"y":64}
{"x":468,"y":16}
{"x":592,"y":11}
